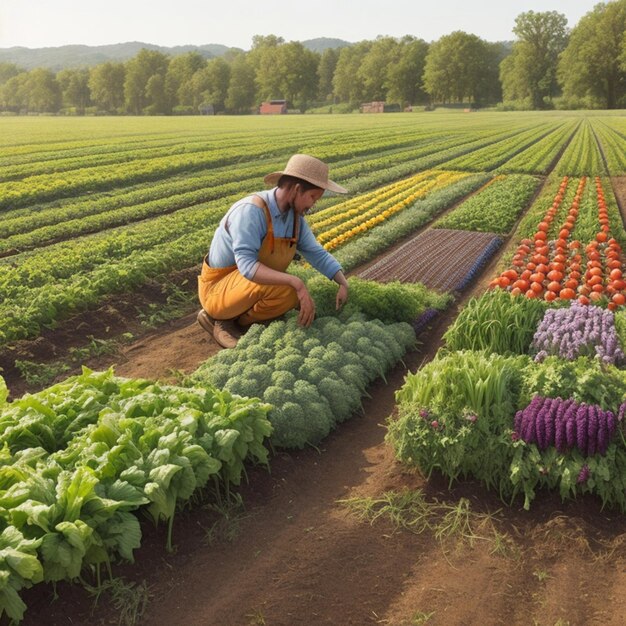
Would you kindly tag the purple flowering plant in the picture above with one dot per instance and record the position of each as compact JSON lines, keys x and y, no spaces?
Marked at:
{"x":573,"y":447}
{"x":578,"y":330}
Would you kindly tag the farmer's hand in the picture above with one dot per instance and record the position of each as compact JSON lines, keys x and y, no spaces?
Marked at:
{"x":307,"y":306}
{"x":342,"y":296}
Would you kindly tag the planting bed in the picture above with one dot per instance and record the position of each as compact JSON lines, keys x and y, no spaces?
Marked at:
{"x":458,"y":254}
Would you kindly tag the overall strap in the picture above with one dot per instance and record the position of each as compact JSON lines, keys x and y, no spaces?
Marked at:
{"x":259,"y":202}
{"x":296,"y":227}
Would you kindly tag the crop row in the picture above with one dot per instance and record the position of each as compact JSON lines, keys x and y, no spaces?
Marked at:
{"x":497,"y":153}
{"x":613,"y":147}
{"x":537,"y":158}
{"x":46,"y":187}
{"x":107,"y":156}
{"x":80,"y":457}
{"x":582,"y":156}
{"x":553,"y":268}
{"x":32,"y":228}
{"x":495,"y":208}
{"x":383,"y":206}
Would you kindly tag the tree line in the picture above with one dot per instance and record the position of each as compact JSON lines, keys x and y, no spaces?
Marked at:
{"x":548,"y":65}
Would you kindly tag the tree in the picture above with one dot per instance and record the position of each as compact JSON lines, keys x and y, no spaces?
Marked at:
{"x":490,"y":87}
{"x":241,"y":89}
{"x":12,"y":87}
{"x":347,"y":82}
{"x":13,"y":94}
{"x":457,"y":68}
{"x":404,"y":77}
{"x":43,"y":93}
{"x":106,"y":84}
{"x":374,"y":68}
{"x":531,"y":70}
{"x":7,"y":71}
{"x":211,"y":84}
{"x":179,"y":76}
{"x":139,"y":71}
{"x":325,"y":73}
{"x":590,"y":66}
{"x":75,"y":88}
{"x":296,"y":70}
{"x":263,"y":58}
{"x":157,"y":96}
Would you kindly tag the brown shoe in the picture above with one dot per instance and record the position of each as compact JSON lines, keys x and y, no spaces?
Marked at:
{"x":206,"y":321}
{"x":227,"y":333}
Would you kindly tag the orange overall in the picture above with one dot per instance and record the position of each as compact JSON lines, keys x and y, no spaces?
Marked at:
{"x":226,"y":294}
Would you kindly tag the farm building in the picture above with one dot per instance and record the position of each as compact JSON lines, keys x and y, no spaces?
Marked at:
{"x":273,"y":107}
{"x":379,"y":107}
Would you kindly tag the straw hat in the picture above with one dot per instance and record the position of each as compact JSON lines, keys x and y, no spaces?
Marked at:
{"x":307,"y":168}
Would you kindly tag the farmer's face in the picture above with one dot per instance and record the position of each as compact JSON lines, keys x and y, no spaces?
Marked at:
{"x":302,"y":201}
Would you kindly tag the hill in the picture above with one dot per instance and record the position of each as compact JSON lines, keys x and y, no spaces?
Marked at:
{"x":61,"y":57}
{"x":323,"y":43}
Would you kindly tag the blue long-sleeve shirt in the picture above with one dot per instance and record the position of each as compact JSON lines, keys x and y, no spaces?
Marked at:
{"x":247,"y":227}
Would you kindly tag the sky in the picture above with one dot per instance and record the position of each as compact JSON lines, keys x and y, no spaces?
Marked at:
{"x":43,"y":23}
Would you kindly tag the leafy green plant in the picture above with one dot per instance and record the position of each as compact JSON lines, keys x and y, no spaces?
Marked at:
{"x":493,"y":209}
{"x":388,"y":302}
{"x":455,"y":416}
{"x":40,"y":374}
{"x":497,"y":322}
{"x":585,"y":380}
{"x":80,"y":457}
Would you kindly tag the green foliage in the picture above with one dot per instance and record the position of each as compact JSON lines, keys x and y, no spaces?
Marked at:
{"x":80,"y":457}
{"x":497,"y":322}
{"x":531,"y":69}
{"x":585,"y":380}
{"x":388,"y":302}
{"x":315,"y":377}
{"x":589,"y":65}
{"x":4,"y":392}
{"x":582,"y":156}
{"x":459,"y":67}
{"x":495,"y":209}
{"x":456,"y":416}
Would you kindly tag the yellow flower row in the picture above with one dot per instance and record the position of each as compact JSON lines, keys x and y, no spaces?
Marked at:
{"x":372,"y":201}
{"x":441,"y":181}
{"x":336,"y":212}
{"x":362,"y":216}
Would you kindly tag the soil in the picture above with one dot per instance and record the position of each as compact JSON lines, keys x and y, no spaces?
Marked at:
{"x":296,"y":553}
{"x":619,"y":189}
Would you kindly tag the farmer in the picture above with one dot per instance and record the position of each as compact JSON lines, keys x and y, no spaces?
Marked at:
{"x":244,"y":278}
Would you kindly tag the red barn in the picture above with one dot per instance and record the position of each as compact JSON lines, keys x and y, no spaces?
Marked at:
{"x":273,"y":107}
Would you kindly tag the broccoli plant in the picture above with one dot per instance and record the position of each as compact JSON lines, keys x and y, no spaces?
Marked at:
{"x":314,"y":378}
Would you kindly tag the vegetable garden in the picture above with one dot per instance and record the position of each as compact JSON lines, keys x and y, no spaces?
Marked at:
{"x":526,"y":394}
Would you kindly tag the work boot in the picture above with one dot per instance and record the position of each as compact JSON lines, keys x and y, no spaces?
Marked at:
{"x":206,"y":321}
{"x":225,"y":332}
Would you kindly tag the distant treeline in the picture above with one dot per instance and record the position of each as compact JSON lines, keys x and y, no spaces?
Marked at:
{"x":547,"y":66}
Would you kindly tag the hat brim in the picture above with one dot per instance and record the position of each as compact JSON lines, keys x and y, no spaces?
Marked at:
{"x":274,"y":177}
